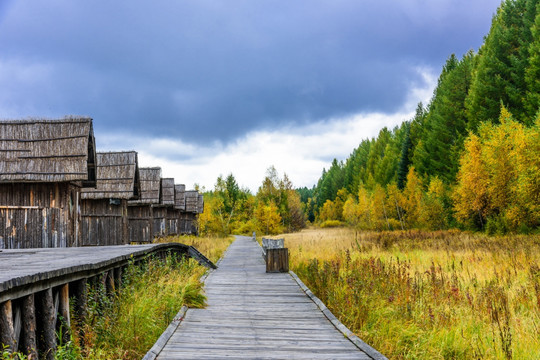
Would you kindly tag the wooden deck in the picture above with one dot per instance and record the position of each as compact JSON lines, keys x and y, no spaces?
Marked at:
{"x":255,"y":315}
{"x":26,"y":271}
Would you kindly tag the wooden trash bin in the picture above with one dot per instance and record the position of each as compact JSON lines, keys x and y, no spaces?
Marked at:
{"x":277,"y":260}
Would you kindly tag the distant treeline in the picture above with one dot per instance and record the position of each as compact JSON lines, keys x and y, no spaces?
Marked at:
{"x":229,"y":209}
{"x":469,"y":159}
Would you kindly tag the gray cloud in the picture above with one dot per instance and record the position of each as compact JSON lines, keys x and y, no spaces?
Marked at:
{"x":206,"y":70}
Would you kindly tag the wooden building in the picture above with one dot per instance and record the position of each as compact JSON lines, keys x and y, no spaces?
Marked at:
{"x":105,"y":209}
{"x":188,"y":218}
{"x":43,"y":166}
{"x":180,"y":197}
{"x":162,"y":226}
{"x":172,"y":213}
{"x":140,"y":212}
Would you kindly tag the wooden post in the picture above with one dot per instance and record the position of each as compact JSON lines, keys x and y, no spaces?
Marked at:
{"x":7,"y":336}
{"x":47,"y":321}
{"x":28,"y":338}
{"x":63,"y":310}
{"x":109,"y":283}
{"x":118,"y":277}
{"x":17,"y":323}
{"x":277,"y":260}
{"x":79,"y":292}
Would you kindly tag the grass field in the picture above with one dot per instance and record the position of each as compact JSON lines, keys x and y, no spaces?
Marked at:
{"x":427,"y":295}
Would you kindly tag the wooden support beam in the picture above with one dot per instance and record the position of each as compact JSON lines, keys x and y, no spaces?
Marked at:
{"x":118,"y":277}
{"x":79,"y":292}
{"x":16,"y":310}
{"x":109,"y":283}
{"x":63,"y":310}
{"x":7,"y":336}
{"x":28,"y":342}
{"x":47,"y":322}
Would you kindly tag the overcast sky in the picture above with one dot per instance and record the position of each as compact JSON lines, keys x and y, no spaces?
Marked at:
{"x":203,"y":88}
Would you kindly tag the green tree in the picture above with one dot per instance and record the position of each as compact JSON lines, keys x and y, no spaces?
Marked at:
{"x":435,"y":215}
{"x":404,"y":161}
{"x":532,"y":73}
{"x":412,"y":200}
{"x":503,"y":59}
{"x":446,"y":122}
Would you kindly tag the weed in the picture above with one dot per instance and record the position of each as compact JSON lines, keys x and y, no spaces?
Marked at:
{"x":427,"y":295}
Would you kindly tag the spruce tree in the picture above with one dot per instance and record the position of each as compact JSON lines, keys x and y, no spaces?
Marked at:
{"x":503,"y":60}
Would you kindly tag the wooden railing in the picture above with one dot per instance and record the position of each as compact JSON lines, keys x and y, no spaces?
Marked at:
{"x":34,"y":302}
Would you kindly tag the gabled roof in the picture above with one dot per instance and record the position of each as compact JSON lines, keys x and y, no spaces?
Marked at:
{"x":48,"y":151}
{"x":180,"y":197}
{"x":117,"y":176}
{"x":150,"y":186}
{"x":167,"y":192}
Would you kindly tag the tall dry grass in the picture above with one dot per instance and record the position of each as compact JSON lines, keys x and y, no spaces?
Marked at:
{"x":128,"y":325}
{"x":427,"y":295}
{"x":212,"y":247}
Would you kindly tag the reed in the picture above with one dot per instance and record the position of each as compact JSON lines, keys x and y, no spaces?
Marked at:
{"x":427,"y":295}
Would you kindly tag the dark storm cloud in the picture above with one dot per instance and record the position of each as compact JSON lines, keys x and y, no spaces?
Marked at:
{"x":206,"y":70}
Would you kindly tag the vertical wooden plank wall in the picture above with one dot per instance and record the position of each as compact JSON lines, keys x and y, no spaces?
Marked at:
{"x":34,"y":215}
{"x":104,"y":222}
{"x":141,"y":220}
{"x":160,"y":220}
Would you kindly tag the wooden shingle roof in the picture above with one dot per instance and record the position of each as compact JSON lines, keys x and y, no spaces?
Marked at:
{"x":117,"y":176}
{"x":150,"y":186}
{"x":48,"y":151}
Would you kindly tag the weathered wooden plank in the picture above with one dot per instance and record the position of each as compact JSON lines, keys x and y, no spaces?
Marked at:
{"x":28,"y":343}
{"x":47,"y":323}
{"x":7,"y":336}
{"x":26,"y":271}
{"x":252,"y":314}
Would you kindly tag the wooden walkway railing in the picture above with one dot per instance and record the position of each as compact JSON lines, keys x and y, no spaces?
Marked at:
{"x":252,"y":314}
{"x":36,"y":286}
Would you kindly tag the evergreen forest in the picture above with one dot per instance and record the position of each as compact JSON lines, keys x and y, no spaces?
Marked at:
{"x":469,"y":159}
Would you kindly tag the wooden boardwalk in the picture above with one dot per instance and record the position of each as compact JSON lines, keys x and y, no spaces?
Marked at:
{"x":26,"y":271}
{"x":255,"y":315}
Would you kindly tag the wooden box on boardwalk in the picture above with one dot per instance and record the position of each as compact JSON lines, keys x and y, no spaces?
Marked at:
{"x":277,"y":260}
{"x":275,"y":255}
